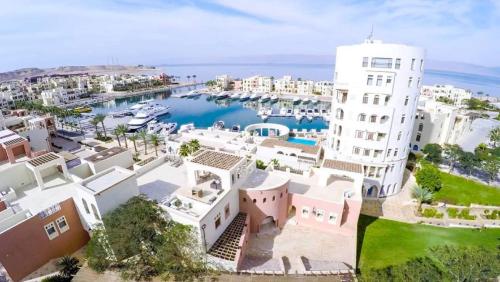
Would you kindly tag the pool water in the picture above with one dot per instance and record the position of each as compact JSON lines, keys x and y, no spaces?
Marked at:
{"x":302,"y":141}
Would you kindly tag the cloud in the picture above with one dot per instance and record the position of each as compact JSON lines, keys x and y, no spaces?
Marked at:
{"x":49,"y":33}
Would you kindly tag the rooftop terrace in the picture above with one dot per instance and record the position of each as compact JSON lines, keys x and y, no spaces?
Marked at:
{"x":262,"y":180}
{"x":103,"y":155}
{"x":217,"y":159}
{"x":106,"y":179}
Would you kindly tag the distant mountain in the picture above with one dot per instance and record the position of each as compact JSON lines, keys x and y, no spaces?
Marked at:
{"x":328,"y":60}
{"x":29,"y":72}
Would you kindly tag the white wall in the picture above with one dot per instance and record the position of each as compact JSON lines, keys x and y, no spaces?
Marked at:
{"x":15,"y":176}
{"x":123,"y":159}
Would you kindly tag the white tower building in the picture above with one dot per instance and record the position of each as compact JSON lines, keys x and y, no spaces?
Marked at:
{"x":373,"y":110}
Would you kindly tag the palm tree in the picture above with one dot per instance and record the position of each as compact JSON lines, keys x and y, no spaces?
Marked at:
{"x":184,"y":150}
{"x":95,"y":123}
{"x":68,"y":266}
{"x":100,"y":118}
{"x":155,"y":140}
{"x":422,"y":195}
{"x":495,"y":136}
{"x":194,"y":77}
{"x":117,"y":133}
{"x":122,"y":130}
{"x":188,"y":77}
{"x":134,"y":137}
{"x":144,"y":137}
{"x":194,"y":145}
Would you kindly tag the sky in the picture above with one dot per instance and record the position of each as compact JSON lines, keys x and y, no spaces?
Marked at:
{"x":49,"y":33}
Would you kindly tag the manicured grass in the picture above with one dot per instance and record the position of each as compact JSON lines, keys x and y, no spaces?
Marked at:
{"x":384,"y":242}
{"x":462,"y":191}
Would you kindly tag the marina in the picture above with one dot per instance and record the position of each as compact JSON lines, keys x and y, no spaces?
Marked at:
{"x":235,"y":109}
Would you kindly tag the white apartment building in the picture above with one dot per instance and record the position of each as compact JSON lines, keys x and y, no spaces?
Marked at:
{"x":457,"y":95}
{"x":324,"y":87}
{"x":260,"y":84}
{"x":305,"y":87}
{"x":377,"y":87}
{"x":222,"y":82}
{"x":60,"y":96}
{"x":285,"y":85}
{"x":439,"y":123}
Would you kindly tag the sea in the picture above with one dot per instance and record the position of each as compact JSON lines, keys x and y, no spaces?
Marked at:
{"x":203,"y":112}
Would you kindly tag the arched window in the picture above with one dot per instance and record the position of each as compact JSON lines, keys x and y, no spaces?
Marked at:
{"x":280,"y":153}
{"x":340,"y":114}
{"x":365,"y":99}
{"x":86,"y":206}
{"x":383,"y":119}
{"x":293,"y":155}
{"x":373,"y":118}
{"x":406,"y":100}
{"x":339,"y":132}
{"x":376,"y":100}
{"x":418,"y":137}
{"x":94,"y":210}
{"x":362,"y":117}
{"x":386,"y":100}
{"x":264,"y":200}
{"x":420,"y":126}
{"x":415,"y":148}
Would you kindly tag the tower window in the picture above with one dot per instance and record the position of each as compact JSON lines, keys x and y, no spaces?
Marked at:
{"x":413,"y":64}
{"x":397,"y":65}
{"x":369,"y":81}
{"x":365,"y":62}
{"x":365,"y":99}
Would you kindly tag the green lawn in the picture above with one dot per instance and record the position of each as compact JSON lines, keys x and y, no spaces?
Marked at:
{"x":384,"y":242}
{"x":462,"y":191}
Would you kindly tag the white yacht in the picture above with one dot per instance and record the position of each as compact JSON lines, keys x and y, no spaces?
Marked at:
{"x":168,"y":128}
{"x":296,"y":100}
{"x":219,"y":125}
{"x":244,"y":97}
{"x":186,"y":127}
{"x":156,"y":110}
{"x":299,"y":116}
{"x":140,"y":120}
{"x":154,"y":127}
{"x":264,"y":98}
{"x":254,"y":96}
{"x":142,"y":104}
{"x":314,"y":101}
{"x":306,"y":100}
{"x":235,"y":96}
{"x":274,"y":98}
{"x":283,"y":111}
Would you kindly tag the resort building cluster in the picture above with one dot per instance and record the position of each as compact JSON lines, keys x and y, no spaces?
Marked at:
{"x":49,"y":202}
{"x":74,"y":89}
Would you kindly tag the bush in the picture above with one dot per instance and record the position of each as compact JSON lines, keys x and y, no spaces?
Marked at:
{"x":495,"y":214}
{"x":464,"y":214}
{"x":433,"y":153}
{"x":452,"y":212}
{"x":432,"y":212}
{"x":56,"y":278}
{"x":429,"y":177}
{"x":260,"y":164}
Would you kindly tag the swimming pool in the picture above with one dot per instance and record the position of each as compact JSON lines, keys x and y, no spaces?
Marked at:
{"x":302,"y":141}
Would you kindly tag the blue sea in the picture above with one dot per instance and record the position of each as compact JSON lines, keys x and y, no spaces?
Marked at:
{"x":204,"y":112}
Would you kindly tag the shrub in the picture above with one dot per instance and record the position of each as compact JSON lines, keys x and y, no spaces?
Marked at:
{"x":260,"y":164}
{"x":55,"y":278}
{"x":465,"y":214}
{"x":495,"y":214}
{"x":452,"y":212}
{"x":429,"y":177}
{"x":432,"y":212}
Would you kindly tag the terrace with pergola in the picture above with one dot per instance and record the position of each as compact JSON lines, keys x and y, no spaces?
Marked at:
{"x":13,"y":145}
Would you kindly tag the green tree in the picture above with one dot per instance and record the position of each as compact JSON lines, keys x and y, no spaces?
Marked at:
{"x":100,"y":119}
{"x":495,"y":136}
{"x":155,"y":141}
{"x":95,"y":123}
{"x":134,"y":137}
{"x":452,"y":152}
{"x":260,"y":164}
{"x":482,"y":151}
{"x":140,"y":243}
{"x":491,"y":166}
{"x":275,"y":163}
{"x":433,"y":153}
{"x":422,"y":195}
{"x":466,"y":263}
{"x":194,"y":145}
{"x":68,"y":266}
{"x":429,"y":177}
{"x":417,"y":269}
{"x":469,"y":161}
{"x":144,"y":137}
{"x":117,"y":133}
{"x":184,"y":150}
{"x":122,"y":130}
